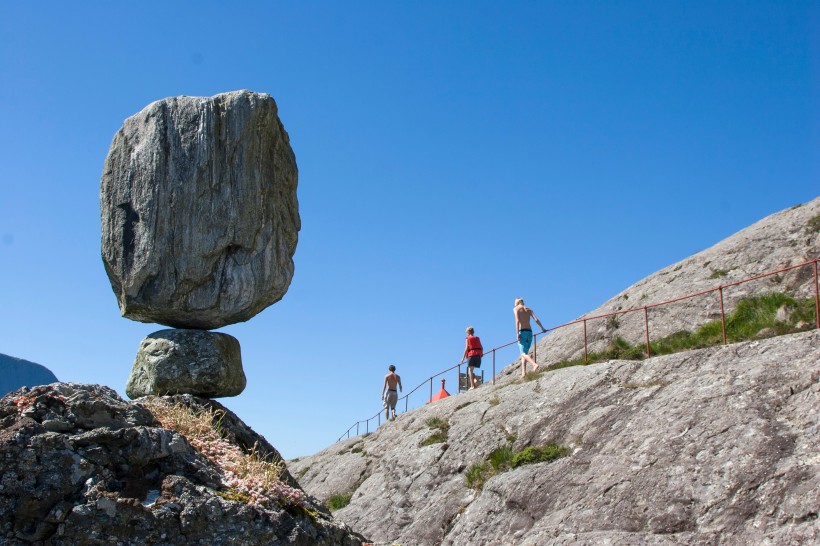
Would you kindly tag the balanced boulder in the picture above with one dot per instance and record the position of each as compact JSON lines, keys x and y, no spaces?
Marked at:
{"x":197,"y":362}
{"x":199,"y":213}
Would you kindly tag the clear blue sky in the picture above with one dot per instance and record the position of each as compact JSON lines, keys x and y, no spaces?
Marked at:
{"x":452,"y":157}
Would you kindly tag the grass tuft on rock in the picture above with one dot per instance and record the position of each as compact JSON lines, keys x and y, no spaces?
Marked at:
{"x":339,"y":501}
{"x":505,"y":458}
{"x":752,"y":317}
{"x":545,"y":454}
{"x":441,"y":427}
{"x":247,"y":477}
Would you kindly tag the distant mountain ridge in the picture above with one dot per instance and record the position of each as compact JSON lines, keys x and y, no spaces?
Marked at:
{"x":16,"y":373}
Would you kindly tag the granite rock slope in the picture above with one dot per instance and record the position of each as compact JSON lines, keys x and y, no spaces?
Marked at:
{"x":82,"y":466}
{"x":712,"y":446}
{"x":787,"y":238}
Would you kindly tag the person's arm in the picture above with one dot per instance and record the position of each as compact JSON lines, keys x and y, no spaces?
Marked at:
{"x":466,"y":349}
{"x":538,"y":322}
{"x":384,"y":387}
{"x":398,"y":380}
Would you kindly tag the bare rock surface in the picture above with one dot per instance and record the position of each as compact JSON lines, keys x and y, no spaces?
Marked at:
{"x":716,"y":446}
{"x":82,"y":466}
{"x":184,"y":361}
{"x":784,"y":239}
{"x":199,"y":213}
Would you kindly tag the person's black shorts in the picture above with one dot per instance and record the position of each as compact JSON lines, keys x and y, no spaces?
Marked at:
{"x":475,"y":361}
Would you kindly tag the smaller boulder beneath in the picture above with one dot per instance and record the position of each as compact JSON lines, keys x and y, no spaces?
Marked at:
{"x":185,"y":361}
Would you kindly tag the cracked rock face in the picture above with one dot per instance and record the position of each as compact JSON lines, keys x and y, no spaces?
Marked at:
{"x":199,"y":213}
{"x":82,"y":466}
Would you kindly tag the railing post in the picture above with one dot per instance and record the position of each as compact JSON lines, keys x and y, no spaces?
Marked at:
{"x":646,"y":323}
{"x":586,"y":358}
{"x":357,"y":427}
{"x":722,"y":314}
{"x":493,"y":366}
{"x":458,"y":378}
{"x":405,"y":403}
{"x":431,"y":391}
{"x":535,"y":348}
{"x":367,"y":426}
{"x":816,"y":297}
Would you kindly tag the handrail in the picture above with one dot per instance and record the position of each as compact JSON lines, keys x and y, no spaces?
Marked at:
{"x":584,"y":319}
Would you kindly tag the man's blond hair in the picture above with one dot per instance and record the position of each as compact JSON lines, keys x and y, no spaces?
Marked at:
{"x":519,"y":301}
{"x":470,"y":330}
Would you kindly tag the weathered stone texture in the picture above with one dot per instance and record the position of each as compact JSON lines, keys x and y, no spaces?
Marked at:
{"x":200,"y":218}
{"x":197,"y":362}
{"x":716,"y":446}
{"x":110,"y":472}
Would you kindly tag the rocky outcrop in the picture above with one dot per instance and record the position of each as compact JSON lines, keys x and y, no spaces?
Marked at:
{"x":16,"y":373}
{"x":712,"y":446}
{"x":197,"y":362}
{"x":199,"y":212}
{"x":81,"y":466}
{"x":787,"y":238}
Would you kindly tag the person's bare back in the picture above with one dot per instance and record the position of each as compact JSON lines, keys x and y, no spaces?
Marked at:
{"x":392,"y":379}
{"x":522,"y":317}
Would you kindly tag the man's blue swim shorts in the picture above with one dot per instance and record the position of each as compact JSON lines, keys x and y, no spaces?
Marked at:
{"x":524,"y":341}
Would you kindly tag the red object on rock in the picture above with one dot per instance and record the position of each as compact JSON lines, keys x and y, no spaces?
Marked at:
{"x":440,"y":394}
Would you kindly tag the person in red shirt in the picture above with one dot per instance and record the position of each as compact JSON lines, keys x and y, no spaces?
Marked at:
{"x":472,"y":351}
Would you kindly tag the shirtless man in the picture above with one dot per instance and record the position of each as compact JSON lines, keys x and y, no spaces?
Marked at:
{"x":391,"y":380}
{"x":524,"y":332}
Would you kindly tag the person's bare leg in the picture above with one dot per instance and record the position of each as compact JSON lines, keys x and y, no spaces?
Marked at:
{"x":387,"y":413}
{"x":470,"y":377}
{"x":524,"y":360}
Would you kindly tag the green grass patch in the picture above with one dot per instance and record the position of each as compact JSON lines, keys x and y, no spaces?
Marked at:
{"x":532,"y":376}
{"x":477,"y":474}
{"x":545,"y":454}
{"x":505,"y":458}
{"x":813,"y":225}
{"x":750,"y":317}
{"x":339,"y":501}
{"x":440,"y":427}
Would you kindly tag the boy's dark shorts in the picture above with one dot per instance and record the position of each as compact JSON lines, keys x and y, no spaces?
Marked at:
{"x":475,"y":361}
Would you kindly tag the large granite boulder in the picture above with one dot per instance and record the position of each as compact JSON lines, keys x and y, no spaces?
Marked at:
{"x":179,"y":361}
{"x":82,"y":466}
{"x":199,"y":212}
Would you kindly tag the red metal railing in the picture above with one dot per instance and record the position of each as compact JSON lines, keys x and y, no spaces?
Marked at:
{"x":719,"y":289}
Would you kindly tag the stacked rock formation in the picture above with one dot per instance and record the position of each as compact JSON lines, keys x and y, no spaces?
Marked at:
{"x":200,"y":222}
{"x":82,"y":466}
